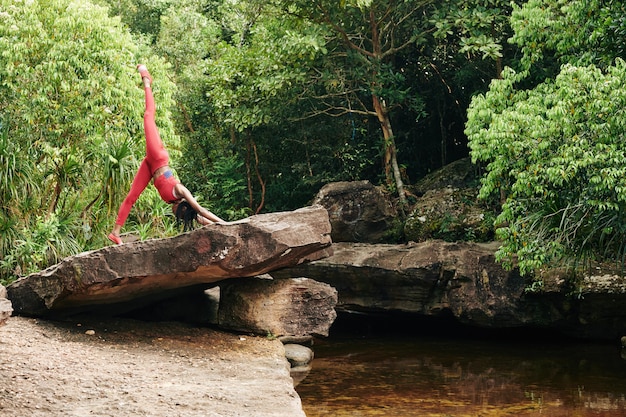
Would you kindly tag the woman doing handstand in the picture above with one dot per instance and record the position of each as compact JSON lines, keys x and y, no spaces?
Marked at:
{"x":155,"y":167}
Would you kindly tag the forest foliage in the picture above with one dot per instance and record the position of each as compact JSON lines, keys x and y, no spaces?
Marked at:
{"x":552,"y":136}
{"x":262,"y":102}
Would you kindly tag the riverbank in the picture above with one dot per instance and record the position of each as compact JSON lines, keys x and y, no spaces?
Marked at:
{"x":105,"y":367}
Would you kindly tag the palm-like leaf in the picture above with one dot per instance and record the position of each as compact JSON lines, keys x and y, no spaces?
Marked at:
{"x":119,"y":169}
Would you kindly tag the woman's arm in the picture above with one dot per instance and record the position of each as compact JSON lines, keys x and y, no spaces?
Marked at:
{"x":204,"y":216}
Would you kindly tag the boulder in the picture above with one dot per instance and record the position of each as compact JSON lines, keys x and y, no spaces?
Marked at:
{"x":144,"y":271}
{"x":293,"y":307}
{"x":358,"y":211}
{"x":464,"y":280}
{"x":450,"y":214}
{"x":461,"y":173}
{"x":6,"y":308}
{"x":448,"y":207}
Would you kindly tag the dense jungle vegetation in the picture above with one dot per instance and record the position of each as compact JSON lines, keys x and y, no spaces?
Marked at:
{"x":262,"y":102}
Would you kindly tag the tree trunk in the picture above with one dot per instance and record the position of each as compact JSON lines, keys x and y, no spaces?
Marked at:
{"x":251,"y":151}
{"x":392,"y":170}
{"x":391,"y":160}
{"x":444,"y":136}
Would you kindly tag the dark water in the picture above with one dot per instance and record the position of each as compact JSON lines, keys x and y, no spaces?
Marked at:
{"x":428,"y":376}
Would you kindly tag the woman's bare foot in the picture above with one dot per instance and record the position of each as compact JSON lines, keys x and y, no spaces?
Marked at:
{"x":115,"y":239}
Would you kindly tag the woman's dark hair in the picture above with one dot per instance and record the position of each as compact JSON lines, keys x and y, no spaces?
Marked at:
{"x":185,"y":214}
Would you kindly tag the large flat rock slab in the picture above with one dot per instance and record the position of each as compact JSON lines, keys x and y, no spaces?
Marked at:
{"x":427,"y":278}
{"x":6,"y":308}
{"x":153,"y":268}
{"x":116,"y":367}
{"x":463,"y":280}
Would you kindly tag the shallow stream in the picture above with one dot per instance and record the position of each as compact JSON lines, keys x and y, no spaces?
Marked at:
{"x":439,"y":376}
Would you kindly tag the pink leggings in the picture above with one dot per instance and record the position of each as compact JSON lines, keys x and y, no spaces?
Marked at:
{"x":156,"y":157}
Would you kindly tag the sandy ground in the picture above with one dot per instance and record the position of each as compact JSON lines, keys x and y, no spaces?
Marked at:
{"x":118,"y":367}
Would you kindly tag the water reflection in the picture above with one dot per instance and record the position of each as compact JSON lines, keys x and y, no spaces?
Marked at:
{"x":432,"y":376}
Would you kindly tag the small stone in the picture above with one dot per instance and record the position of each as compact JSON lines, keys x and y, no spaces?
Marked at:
{"x":298,"y":355}
{"x":90,"y":332}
